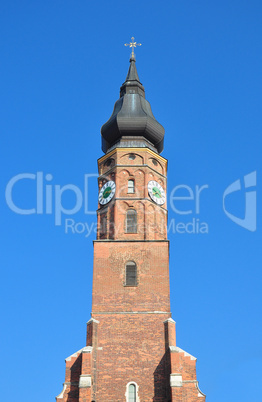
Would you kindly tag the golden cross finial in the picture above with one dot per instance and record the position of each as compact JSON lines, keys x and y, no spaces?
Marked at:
{"x":133,"y":45}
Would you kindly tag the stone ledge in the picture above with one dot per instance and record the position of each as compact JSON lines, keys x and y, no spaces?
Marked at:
{"x":131,"y":241}
{"x":131,"y":312}
{"x":87,"y":349}
{"x":92,"y":320}
{"x":170,"y":320}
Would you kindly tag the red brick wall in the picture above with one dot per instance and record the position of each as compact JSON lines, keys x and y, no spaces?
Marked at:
{"x":152,"y":291}
{"x":133,"y":349}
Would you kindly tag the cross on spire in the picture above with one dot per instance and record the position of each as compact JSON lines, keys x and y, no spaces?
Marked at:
{"x":133,"y":45}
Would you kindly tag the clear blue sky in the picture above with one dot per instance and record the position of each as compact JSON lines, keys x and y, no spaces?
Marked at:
{"x":62,"y":63}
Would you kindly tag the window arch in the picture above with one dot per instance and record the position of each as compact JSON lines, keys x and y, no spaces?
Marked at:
{"x":132,"y":392}
{"x":131,"y":186}
{"x":131,"y":221}
{"x":131,"y":274}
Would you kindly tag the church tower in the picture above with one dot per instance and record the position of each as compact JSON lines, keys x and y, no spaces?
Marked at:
{"x":131,"y":353}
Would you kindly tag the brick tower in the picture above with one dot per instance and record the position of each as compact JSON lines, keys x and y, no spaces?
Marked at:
{"x":131,"y":353}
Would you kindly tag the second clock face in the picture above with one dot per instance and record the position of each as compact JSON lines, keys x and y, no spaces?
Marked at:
{"x":156,"y":192}
{"x":107,"y":192}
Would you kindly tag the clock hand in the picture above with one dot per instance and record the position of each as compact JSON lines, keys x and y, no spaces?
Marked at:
{"x":156,"y":192}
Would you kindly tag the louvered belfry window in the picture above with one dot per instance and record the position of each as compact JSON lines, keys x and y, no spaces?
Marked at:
{"x":131,"y":274}
{"x":131,"y":221}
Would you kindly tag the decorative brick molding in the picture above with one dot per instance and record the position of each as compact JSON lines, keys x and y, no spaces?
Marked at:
{"x":200,"y":393}
{"x":61,"y":395}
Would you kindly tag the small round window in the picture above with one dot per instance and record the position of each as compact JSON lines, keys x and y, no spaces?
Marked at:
{"x":154,"y":161}
{"x":132,"y":157}
{"x":108,"y":162}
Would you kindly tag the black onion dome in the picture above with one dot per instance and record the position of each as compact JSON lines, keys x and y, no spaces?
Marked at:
{"x":132,"y":117}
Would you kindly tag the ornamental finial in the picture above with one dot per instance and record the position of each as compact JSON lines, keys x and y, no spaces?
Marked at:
{"x":133,"y":45}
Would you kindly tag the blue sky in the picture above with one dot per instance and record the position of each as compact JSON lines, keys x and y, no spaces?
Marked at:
{"x":62,"y":64}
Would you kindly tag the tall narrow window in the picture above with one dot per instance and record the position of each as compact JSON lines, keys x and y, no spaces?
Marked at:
{"x":132,"y":393}
{"x":103,"y":224}
{"x":131,"y":274}
{"x":131,"y":187}
{"x":131,"y":221}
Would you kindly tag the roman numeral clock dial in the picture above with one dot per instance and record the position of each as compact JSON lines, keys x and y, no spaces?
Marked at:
{"x":156,"y":192}
{"x":107,"y":192}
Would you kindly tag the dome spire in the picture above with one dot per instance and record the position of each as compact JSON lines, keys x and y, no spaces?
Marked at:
{"x":132,"y":123}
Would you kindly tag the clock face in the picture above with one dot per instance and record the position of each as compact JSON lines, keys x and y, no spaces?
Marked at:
{"x":156,"y":192}
{"x":107,"y":192}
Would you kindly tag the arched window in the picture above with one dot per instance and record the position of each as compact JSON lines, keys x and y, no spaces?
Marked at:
{"x":131,"y":274}
{"x":132,"y":392}
{"x":103,"y":224}
{"x":131,"y":187}
{"x":131,"y":221}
